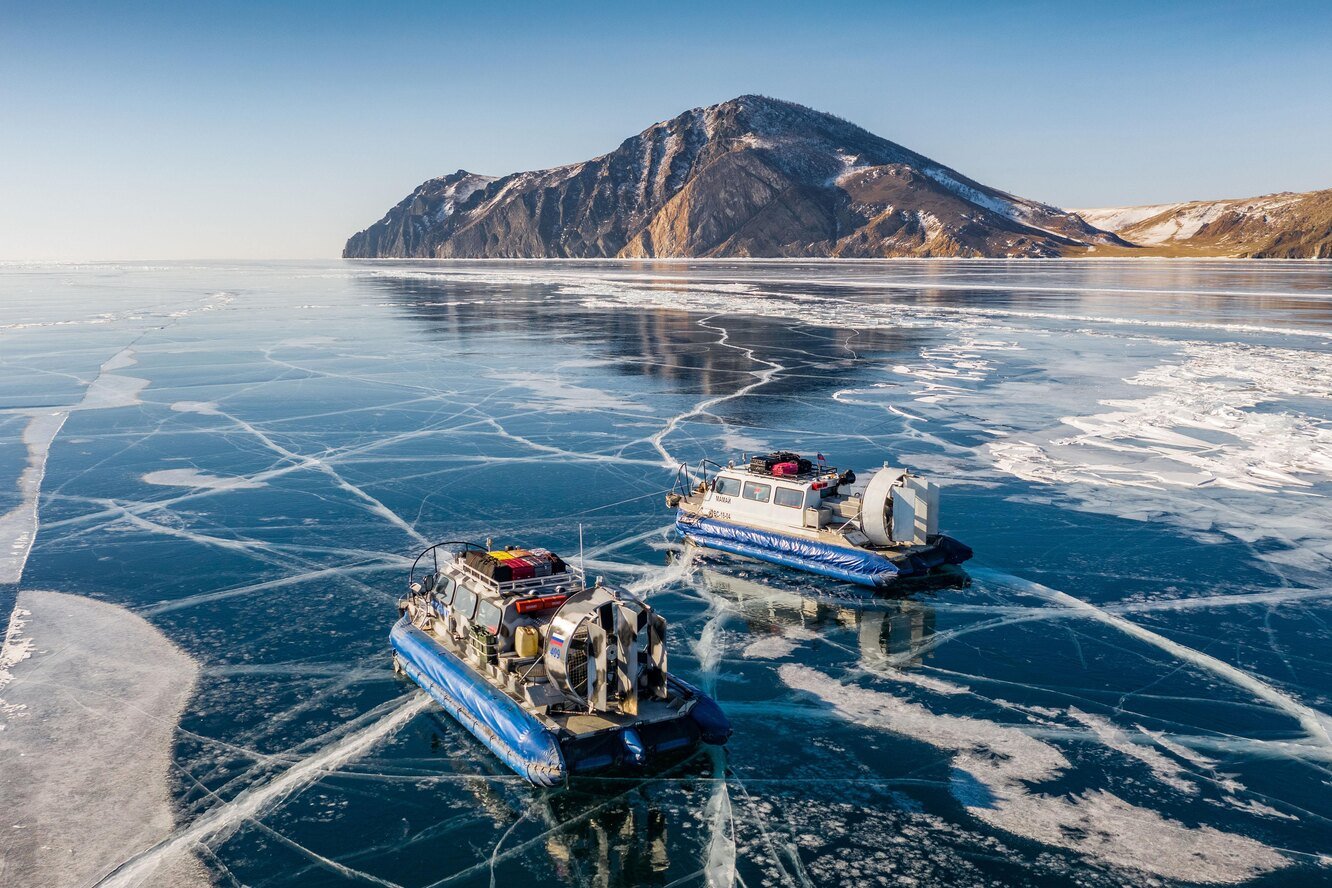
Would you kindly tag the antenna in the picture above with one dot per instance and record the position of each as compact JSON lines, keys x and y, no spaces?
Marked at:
{"x":582,"y":567}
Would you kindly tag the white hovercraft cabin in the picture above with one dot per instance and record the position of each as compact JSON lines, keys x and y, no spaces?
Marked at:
{"x":788,"y":510}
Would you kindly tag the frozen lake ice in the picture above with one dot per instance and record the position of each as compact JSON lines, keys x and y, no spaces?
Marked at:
{"x":240,"y":460}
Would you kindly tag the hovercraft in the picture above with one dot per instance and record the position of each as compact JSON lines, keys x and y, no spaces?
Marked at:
{"x":555,"y":676}
{"x":784,"y":509}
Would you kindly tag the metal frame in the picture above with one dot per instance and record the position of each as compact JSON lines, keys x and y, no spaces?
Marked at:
{"x":684,"y":478}
{"x":433,"y":551}
{"x":572,"y":576}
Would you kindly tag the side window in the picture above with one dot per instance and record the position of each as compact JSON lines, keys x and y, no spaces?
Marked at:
{"x":464,"y":603}
{"x":728,"y":486}
{"x":488,"y":615}
{"x":789,"y":497}
{"x":444,"y":590}
{"x":759,"y":493}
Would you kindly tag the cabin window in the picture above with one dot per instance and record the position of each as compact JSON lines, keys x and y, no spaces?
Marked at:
{"x":728,"y":486}
{"x":464,"y":603}
{"x":759,"y":493}
{"x":444,"y":590}
{"x":790,"y":497}
{"x":488,"y":615}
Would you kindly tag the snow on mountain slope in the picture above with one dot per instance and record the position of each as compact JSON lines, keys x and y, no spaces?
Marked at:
{"x":1118,"y":218}
{"x":1287,"y":225}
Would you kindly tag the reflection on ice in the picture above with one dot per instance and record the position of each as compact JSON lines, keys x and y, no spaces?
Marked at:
{"x":784,"y":609}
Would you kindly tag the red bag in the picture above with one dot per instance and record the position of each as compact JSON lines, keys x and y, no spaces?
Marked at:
{"x":786,"y":468}
{"x":522,"y":568}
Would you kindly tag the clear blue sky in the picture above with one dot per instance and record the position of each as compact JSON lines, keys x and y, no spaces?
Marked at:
{"x":258,"y":129}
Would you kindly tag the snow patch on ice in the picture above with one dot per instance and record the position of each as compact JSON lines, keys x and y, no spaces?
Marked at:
{"x":1253,"y":806}
{"x":195,"y":478}
{"x":307,"y":342}
{"x":206,"y":407}
{"x":15,"y":650}
{"x":110,"y":390}
{"x":769,"y":647}
{"x":1164,"y":769}
{"x":994,"y":765}
{"x":1193,"y":757}
{"x":1200,"y":427}
{"x":102,"y":697}
{"x":945,"y":369}
{"x":18,"y":526}
{"x":122,"y":359}
{"x":928,"y":682}
{"x":1222,"y":422}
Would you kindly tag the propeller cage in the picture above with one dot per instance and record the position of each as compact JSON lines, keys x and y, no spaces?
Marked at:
{"x":899,"y":508}
{"x":605,"y":650}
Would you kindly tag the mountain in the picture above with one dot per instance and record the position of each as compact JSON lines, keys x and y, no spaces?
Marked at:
{"x":1288,"y":225}
{"x":421,"y":221}
{"x":750,"y":177}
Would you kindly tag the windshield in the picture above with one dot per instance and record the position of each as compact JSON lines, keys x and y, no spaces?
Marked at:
{"x":728,"y":486}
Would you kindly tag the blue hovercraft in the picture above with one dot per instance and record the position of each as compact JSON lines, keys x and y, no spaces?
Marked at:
{"x":874,"y":531}
{"x":556,"y":677}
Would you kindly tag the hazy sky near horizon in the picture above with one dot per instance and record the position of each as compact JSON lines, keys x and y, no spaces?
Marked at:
{"x":276,"y":129}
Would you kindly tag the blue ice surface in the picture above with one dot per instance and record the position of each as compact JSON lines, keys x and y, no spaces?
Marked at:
{"x":371,"y":407}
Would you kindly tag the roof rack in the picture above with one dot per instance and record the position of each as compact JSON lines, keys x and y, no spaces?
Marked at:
{"x":572,"y":577}
{"x":816,"y":471}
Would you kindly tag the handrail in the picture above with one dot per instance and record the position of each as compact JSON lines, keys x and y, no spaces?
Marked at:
{"x":684,"y":482}
{"x":684,"y":478}
{"x":434,"y":553}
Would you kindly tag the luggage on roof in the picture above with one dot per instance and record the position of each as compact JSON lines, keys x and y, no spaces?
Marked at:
{"x":557,"y":565}
{"x":791,"y":463}
{"x":507,"y":565}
